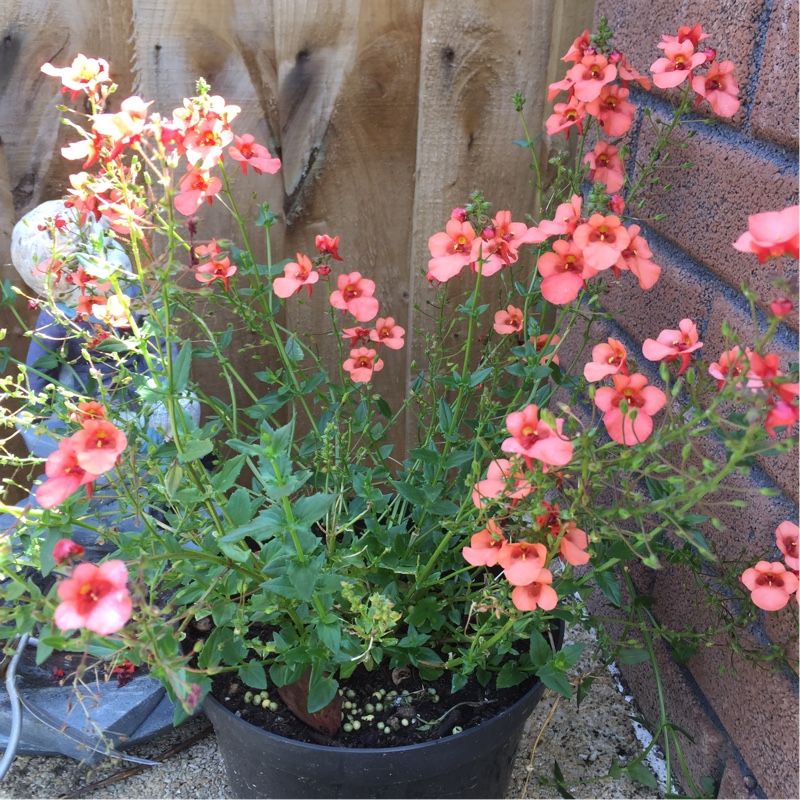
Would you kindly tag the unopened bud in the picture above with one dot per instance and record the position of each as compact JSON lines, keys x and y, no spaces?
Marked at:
{"x":324,"y":269}
{"x":459,"y":214}
{"x":781,"y":307}
{"x":710,"y":53}
{"x":488,"y":233}
{"x":617,"y":204}
{"x":615,"y":57}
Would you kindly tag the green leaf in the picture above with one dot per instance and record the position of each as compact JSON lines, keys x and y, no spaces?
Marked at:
{"x":195,"y":449}
{"x":321,"y":690}
{"x":609,"y":586}
{"x":561,"y":784}
{"x":445,"y":416}
{"x":632,"y":655}
{"x":181,"y":367}
{"x":641,"y":774}
{"x":253,"y":674}
{"x":307,"y":510}
{"x":457,"y":458}
{"x":555,"y":680}
{"x":410,"y":493}
{"x":238,"y":507}
{"x":303,"y":577}
{"x":330,"y":635}
{"x":539,"y":649}
{"x":457,"y":682}
{"x":228,"y":473}
{"x":510,"y":675}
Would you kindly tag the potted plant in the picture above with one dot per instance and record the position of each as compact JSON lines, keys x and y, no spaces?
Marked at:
{"x":288,"y":556}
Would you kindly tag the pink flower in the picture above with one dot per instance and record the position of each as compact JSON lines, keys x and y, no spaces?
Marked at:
{"x":589,"y":76}
{"x":731,"y":364}
{"x":355,"y":296}
{"x":771,"y":234}
{"x":719,"y":87}
{"x":674,"y":344}
{"x":66,"y":550}
{"x":608,"y":358}
{"x":685,"y":34}
{"x":677,"y":65}
{"x":125,"y":127}
{"x":325,"y":244}
{"x":770,"y":584}
{"x":613,"y":110}
{"x":220,"y":269}
{"x":633,"y":389}
{"x":605,"y":165}
{"x":64,"y":476}
{"x":636,"y":258}
{"x":498,"y":243}
{"x":502,"y":478}
{"x":572,"y":547}
{"x":386,"y":332}
{"x":565,"y":115}
{"x":578,"y":47}
{"x":195,"y":187}
{"x":296,"y":275}
{"x":362,"y":363}
{"x":536,"y":594}
{"x":485,"y":546}
{"x":82,"y":75}
{"x":95,"y":598}
{"x":357,"y":335}
{"x":522,"y":561}
{"x":787,"y":535}
{"x":533,"y":438}
{"x":98,"y":445}
{"x":247,"y":152}
{"x":114,"y":310}
{"x":602,"y":240}
{"x":564,"y":272}
{"x":450,"y":251}
{"x":204,"y":143}
{"x":565,"y":220}
{"x":509,"y":320}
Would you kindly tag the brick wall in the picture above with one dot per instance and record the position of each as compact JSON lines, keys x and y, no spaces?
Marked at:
{"x":745,"y":724}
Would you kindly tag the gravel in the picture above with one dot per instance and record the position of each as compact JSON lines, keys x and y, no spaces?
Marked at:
{"x":583,"y":741}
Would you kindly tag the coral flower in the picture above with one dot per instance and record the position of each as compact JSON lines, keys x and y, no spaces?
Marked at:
{"x":772,"y":234}
{"x":677,"y":65}
{"x":537,"y":594}
{"x":355,"y":296}
{"x":636,"y":258}
{"x":533,"y":438}
{"x":613,"y":110}
{"x":219,"y":269}
{"x":386,"y":332}
{"x":125,"y":127}
{"x":65,"y":550}
{"x":685,"y":34}
{"x":451,"y":250}
{"x":572,"y":547}
{"x":357,"y":335}
{"x":674,"y":344}
{"x":602,"y":240}
{"x":114,"y":310}
{"x":633,"y":389}
{"x":564,"y":272}
{"x":247,"y":152}
{"x":88,"y":410}
{"x":64,"y":476}
{"x":565,"y":115}
{"x":502,"y":478}
{"x":770,"y":584}
{"x":578,"y":47}
{"x":589,"y":76}
{"x":98,"y":445}
{"x":608,"y":358}
{"x":485,"y":546}
{"x":546,"y":340}
{"x":362,"y":363}
{"x":326,"y":244}
{"x":565,"y":220}
{"x":509,"y":320}
{"x":296,"y":275}
{"x":196,"y":186}
{"x":95,"y":598}
{"x":731,"y":365}
{"x":605,"y":165}
{"x":787,"y":535}
{"x":522,"y":561}
{"x":83,"y":74}
{"x":719,"y":87}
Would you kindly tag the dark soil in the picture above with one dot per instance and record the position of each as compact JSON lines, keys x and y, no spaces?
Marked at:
{"x":427,"y":707}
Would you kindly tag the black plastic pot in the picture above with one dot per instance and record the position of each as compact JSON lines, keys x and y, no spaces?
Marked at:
{"x":474,"y":763}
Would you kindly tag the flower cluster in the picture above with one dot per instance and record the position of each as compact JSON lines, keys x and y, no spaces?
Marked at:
{"x":285,"y":510}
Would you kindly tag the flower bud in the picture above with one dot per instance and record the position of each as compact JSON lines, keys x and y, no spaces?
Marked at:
{"x":617,"y":204}
{"x":459,"y":214}
{"x":488,"y":233}
{"x":615,"y":57}
{"x":781,"y":307}
{"x":710,"y":53}
{"x":324,"y":269}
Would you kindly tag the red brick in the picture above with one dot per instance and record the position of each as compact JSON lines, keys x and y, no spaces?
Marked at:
{"x":707,"y":207}
{"x":746,"y":698}
{"x":736,"y":781}
{"x":774,"y":113}
{"x":732,"y":24}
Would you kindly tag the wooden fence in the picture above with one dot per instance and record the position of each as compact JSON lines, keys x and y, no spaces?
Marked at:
{"x":385,"y":114}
